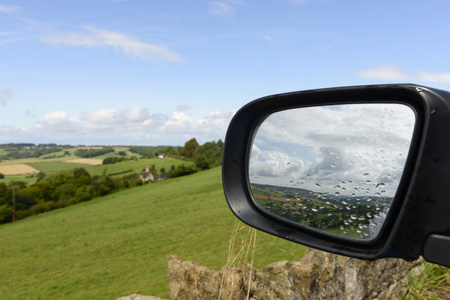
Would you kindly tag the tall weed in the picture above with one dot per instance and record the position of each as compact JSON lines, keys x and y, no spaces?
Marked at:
{"x":241,"y":251}
{"x":433,"y":282}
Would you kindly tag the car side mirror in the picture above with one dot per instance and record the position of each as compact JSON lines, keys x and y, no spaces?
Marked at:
{"x":357,"y":171}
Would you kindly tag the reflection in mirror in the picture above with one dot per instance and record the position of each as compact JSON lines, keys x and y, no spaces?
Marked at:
{"x":333,"y":168}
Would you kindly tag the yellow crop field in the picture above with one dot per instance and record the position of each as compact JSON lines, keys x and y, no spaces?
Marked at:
{"x":17,"y":169}
{"x":89,"y":161}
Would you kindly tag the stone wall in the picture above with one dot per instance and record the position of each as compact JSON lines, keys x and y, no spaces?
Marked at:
{"x":319,"y":275}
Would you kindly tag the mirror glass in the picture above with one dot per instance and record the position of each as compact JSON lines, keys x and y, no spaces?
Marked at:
{"x":334,"y":168}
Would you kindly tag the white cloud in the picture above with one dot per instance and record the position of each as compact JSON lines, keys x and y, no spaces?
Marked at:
{"x":221,"y":9}
{"x":185,"y":124}
{"x":113,"y":116}
{"x":135,"y":114}
{"x":131,"y":127}
{"x":58,"y":120}
{"x":5,"y":95}
{"x":103,"y":116}
{"x":224,"y":9}
{"x":394,"y":73}
{"x":434,"y":77}
{"x":128,"y":44}
{"x":385,"y":72}
{"x":9,"y":9}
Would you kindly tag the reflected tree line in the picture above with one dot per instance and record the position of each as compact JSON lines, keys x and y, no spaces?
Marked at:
{"x":356,"y":217}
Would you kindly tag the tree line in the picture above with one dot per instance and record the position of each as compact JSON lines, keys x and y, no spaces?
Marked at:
{"x":19,"y":200}
{"x":64,"y":188}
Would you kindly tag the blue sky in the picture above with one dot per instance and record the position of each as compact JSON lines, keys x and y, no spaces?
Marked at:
{"x":148,"y":72}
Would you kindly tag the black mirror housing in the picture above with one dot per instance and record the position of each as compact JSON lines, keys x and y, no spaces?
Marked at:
{"x":417,"y":223}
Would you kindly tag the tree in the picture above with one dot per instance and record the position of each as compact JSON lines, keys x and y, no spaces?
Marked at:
{"x":201,"y":162}
{"x":39,"y":192}
{"x":64,"y":192}
{"x":189,"y":148}
{"x":169,"y":151}
{"x":82,"y":177}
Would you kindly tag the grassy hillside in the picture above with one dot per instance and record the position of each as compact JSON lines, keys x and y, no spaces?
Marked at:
{"x":137,"y":166}
{"x":117,"y":245}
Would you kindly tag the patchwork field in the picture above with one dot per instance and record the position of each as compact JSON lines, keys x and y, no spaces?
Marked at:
{"x":17,"y":169}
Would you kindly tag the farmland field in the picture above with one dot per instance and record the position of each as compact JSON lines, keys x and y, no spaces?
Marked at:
{"x":117,"y":245}
{"x":53,"y":166}
{"x":17,"y":169}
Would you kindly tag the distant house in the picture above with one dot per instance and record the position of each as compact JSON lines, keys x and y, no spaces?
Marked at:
{"x":162,"y":156}
{"x":147,"y":176}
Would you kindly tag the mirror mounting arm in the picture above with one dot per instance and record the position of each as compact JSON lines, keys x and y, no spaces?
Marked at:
{"x":437,"y":249}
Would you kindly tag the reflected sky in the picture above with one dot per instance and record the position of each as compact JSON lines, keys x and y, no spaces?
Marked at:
{"x":357,"y":149}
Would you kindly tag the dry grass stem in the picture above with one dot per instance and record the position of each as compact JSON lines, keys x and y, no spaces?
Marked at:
{"x":241,"y":250}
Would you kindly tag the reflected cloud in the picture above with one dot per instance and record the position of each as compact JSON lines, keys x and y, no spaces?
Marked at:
{"x":360,"y":145}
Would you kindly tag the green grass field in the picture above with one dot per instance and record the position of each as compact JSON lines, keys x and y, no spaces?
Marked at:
{"x":117,"y":245}
{"x":53,"y":166}
{"x":136,"y":165}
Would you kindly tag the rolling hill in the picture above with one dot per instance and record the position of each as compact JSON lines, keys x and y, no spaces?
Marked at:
{"x":117,"y":245}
